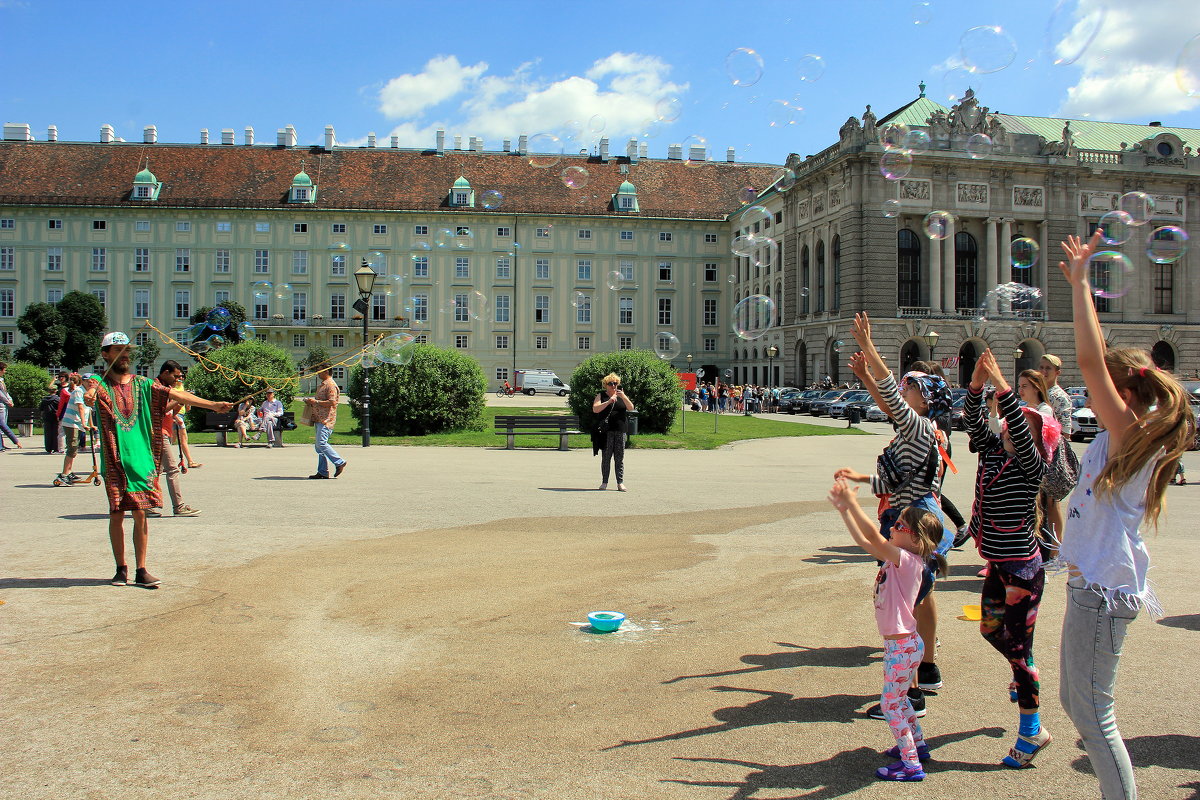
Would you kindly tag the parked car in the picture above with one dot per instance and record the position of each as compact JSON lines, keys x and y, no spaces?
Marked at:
{"x":1083,"y":421}
{"x":819,"y":406}
{"x":957,"y":411}
{"x":800,"y":404}
{"x":787,"y":400}
{"x":1080,"y":391}
{"x":875,"y":414}
{"x":838,"y":410}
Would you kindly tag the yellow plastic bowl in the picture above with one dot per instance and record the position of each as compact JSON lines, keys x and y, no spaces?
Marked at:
{"x":974,"y":613}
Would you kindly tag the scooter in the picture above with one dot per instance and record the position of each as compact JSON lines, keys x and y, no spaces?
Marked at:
{"x":94,"y":476}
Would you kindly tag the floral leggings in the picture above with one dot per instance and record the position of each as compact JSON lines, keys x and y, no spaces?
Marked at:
{"x":614,"y":450}
{"x":1010,"y":608}
{"x":900,"y":658}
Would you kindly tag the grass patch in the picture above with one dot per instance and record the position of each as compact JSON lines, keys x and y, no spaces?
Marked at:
{"x":699,"y":435}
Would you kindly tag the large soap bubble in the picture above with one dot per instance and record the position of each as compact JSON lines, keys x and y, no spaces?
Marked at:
{"x":1111,"y":274}
{"x":753,"y":316}
{"x":986,"y":48}
{"x":1167,"y":244}
{"x":743,"y":66}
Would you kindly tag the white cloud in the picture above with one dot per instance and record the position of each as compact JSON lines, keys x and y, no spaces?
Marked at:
{"x":1129,"y":68}
{"x":617,"y":94}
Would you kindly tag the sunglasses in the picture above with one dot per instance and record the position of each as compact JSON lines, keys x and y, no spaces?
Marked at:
{"x":612,"y":383}
{"x":900,"y":526}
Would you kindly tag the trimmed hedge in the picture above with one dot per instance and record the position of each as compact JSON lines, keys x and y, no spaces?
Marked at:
{"x":438,"y":390}
{"x":253,"y":358}
{"x":650,"y":383}
{"x":26,"y":383}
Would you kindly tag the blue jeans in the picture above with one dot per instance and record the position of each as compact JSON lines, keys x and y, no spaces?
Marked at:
{"x":1093,"y":634}
{"x":4,"y":429}
{"x":325,"y":452}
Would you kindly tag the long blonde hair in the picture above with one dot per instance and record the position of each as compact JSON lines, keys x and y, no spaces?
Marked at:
{"x":1038,"y":382}
{"x":1165,"y":422}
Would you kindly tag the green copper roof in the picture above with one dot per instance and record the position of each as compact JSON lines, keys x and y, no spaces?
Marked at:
{"x":626,"y":188}
{"x":461,"y":183}
{"x":302,"y":179}
{"x":145,"y":176}
{"x":915,"y":113}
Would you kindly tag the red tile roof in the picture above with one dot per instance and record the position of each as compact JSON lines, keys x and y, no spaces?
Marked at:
{"x":63,"y":173}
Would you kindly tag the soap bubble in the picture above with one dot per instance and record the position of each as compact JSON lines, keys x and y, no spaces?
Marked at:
{"x":650,"y":129}
{"x":390,"y":285}
{"x":781,"y":114}
{"x":755,"y":214}
{"x":700,"y":144}
{"x":937,"y":224}
{"x":577,"y":298}
{"x":1010,"y":300}
{"x":1187,"y":68}
{"x":421,"y":246}
{"x":804,"y":292}
{"x":839,"y":346}
{"x":979,"y":145}
{"x":765,"y":253}
{"x":1024,"y":252}
{"x":1167,"y":244}
{"x":340,"y":247}
{"x":473,"y":304}
{"x":747,"y":195}
{"x":596,"y":123}
{"x":1111,"y":274}
{"x":732,"y":278}
{"x":219,"y":318}
{"x":261,"y":289}
{"x":215,"y":341}
{"x":810,"y":68}
{"x":246,"y":332}
{"x":895,"y":164}
{"x":955,"y":82}
{"x":575,"y":177}
{"x":784,"y":179}
{"x":369,"y":358}
{"x":922,"y":13}
{"x":464,"y":240}
{"x":544,"y":150}
{"x":1138,"y":205}
{"x":572,"y":130}
{"x":376,"y":260}
{"x":200,"y":347}
{"x":444,"y":238}
{"x":986,"y":48}
{"x":892,"y":136}
{"x":614,"y":280}
{"x":743,"y":66}
{"x":395,"y":349}
{"x":492,"y":199}
{"x":667,"y":346}
{"x":194,"y":332}
{"x":743,"y":246}
{"x":283,"y":291}
{"x":668,"y":109}
{"x":753,"y":316}
{"x":916,"y":141}
{"x":891,"y":208}
{"x":1070,"y":31}
{"x":1115,"y":227}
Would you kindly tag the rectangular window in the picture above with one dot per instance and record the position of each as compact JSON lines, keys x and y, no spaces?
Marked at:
{"x":664,"y":236}
{"x":299,"y":306}
{"x":420,"y":230}
{"x":1164,"y":288}
{"x":299,"y":340}
{"x":460,"y":341}
{"x":299,"y":262}
{"x":262,"y":227}
{"x":183,"y":304}
{"x":378,"y":306}
{"x":223,"y":227}
{"x":502,"y":341}
{"x":8,"y":302}
{"x":541,"y":343}
{"x":503,"y":308}
{"x":504,"y":232}
{"x":501,"y":373}
{"x":583,"y":343}
{"x":420,"y":304}
{"x":710,"y":273}
{"x":420,"y":266}
{"x":262,"y":261}
{"x":664,"y":270}
{"x":337,"y":306}
{"x":144,"y":225}
{"x":337,"y":340}
{"x":183,"y":227}
{"x":54,"y":259}
{"x":462,"y":198}
{"x":221,"y":261}
{"x":99,"y":224}
{"x":625,"y":311}
{"x":221,"y":296}
{"x":141,"y":303}
{"x":664,"y":311}
{"x":541,"y":233}
{"x":710,"y":238}
{"x":710,"y":311}
{"x":338,"y":373}
{"x":8,"y":259}
{"x":710,"y":344}
{"x":541,"y":269}
{"x":462,"y":267}
{"x":462,"y":230}
{"x":422,"y":338}
{"x":337,"y":227}
{"x":626,"y":270}
{"x":379,"y":230}
{"x":300,"y":227}
{"x":584,"y":233}
{"x":7,"y":337}
{"x":261,"y":310}
{"x":102,"y":296}
{"x":583,"y":269}
{"x":625,"y":343}
{"x":503,"y":268}
{"x":541,"y":308}
{"x":54,"y":224}
{"x":337,"y":264}
{"x":462,"y":312}
{"x":54,"y":295}
{"x":141,"y":259}
{"x":183,"y":259}
{"x":583,"y":311}
{"x":626,"y":236}
{"x":7,"y":224}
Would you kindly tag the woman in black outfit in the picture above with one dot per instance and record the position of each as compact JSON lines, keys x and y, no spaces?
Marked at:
{"x":49,"y":410}
{"x":611,"y":409}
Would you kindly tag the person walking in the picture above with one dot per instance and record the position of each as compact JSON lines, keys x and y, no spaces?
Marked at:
{"x":74,"y":424}
{"x":610,"y":412}
{"x":170,"y":375}
{"x":6,"y":402}
{"x":129,"y":410}
{"x":324,"y":405}
{"x":271,"y":411}
{"x":48,"y":408}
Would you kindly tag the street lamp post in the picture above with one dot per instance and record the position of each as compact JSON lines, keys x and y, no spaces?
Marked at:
{"x":772,"y":351}
{"x":931,"y":339}
{"x":365,"y":277}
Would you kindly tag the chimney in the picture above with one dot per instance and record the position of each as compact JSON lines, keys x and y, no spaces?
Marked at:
{"x":150,"y":134}
{"x":523,"y":144}
{"x":249,"y":133}
{"x":477,"y":144}
{"x":371,"y":139}
{"x":395,"y":142}
{"x":330,"y":138}
{"x":675,"y":152}
{"x":17,"y":132}
{"x":643,"y":150}
{"x":507,"y":145}
{"x":106,"y":134}
{"x":604,"y":149}
{"x":631,"y":150}
{"x":441,"y":141}
{"x":290,"y":130}
{"x":458,"y":141}
{"x":281,"y":137}
{"x":697,"y":152}
{"x":1155,"y":124}
{"x":729,"y":155}
{"x":51,"y":133}
{"x":204,"y":136}
{"x":226,"y":135}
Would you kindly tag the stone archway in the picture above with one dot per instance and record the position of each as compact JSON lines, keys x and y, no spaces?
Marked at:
{"x":801,"y":364}
{"x":1163,"y":355}
{"x":968,"y":353}
{"x":910,"y":351}
{"x":833,"y":361}
{"x":1032,"y":351}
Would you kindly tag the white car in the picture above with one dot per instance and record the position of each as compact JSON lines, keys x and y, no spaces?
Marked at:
{"x":1083,"y":421}
{"x":875,"y":415}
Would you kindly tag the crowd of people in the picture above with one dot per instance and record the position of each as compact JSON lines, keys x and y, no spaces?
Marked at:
{"x":725,"y":398}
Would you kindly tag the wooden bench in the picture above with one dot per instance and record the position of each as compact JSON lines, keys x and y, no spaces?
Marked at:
{"x":222,"y":425}
{"x":23,"y":418}
{"x":538,"y":425}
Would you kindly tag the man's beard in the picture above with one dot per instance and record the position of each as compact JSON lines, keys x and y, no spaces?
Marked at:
{"x":119,"y":366}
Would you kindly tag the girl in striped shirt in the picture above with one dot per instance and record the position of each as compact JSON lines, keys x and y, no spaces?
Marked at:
{"x":1005,"y":522}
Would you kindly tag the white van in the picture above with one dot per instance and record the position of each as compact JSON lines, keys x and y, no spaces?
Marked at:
{"x":532,"y":381}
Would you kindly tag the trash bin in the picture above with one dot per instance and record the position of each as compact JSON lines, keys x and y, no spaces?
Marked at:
{"x":853,"y":416}
{"x":632,"y":423}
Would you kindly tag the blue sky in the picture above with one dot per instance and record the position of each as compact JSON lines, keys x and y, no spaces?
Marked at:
{"x":497,"y":70}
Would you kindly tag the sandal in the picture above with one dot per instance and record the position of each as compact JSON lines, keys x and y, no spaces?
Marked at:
{"x":194,"y":465}
{"x":1018,"y":759}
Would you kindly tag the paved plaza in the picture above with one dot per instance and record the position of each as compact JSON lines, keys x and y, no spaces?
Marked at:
{"x":414,"y":630}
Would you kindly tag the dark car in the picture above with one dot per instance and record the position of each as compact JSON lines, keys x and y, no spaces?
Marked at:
{"x":838,"y":410}
{"x":800,"y":403}
{"x":787,"y":400}
{"x":822,"y":403}
{"x":957,"y":408}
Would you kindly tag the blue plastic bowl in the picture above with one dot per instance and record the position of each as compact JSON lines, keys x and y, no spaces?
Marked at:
{"x":605,"y":621}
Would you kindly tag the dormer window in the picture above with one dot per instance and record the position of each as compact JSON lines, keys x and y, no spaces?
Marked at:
{"x":461,"y":194}
{"x":145,"y":186}
{"x":626,"y":198}
{"x":302,"y":190}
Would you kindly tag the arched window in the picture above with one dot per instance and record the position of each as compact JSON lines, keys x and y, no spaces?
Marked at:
{"x":966,"y":259}
{"x":820,"y":276}
{"x":908,"y":269}
{"x":1163,"y":355}
{"x":805,"y":275}
{"x":835,"y":257}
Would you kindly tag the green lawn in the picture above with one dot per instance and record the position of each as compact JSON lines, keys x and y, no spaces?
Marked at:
{"x":699,"y":436}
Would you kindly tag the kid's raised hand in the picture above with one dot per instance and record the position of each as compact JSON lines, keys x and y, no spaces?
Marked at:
{"x":1075,"y":268}
{"x":862,"y":329}
{"x":995,"y":374}
{"x":859,"y":366}
{"x":980,"y":375}
{"x":847,"y":474}
{"x":842,"y":495}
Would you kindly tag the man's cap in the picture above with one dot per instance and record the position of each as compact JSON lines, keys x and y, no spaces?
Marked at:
{"x":1055,"y":360}
{"x":115,"y":337}
{"x":91,"y":376}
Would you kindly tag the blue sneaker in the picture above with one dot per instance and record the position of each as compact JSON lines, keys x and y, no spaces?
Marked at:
{"x":899,"y":772}
{"x":922,"y":752}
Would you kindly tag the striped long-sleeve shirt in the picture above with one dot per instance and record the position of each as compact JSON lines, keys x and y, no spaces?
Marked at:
{"x":1006,"y":485}
{"x":916,"y":436}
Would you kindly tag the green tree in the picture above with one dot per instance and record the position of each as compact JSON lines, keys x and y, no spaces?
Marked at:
{"x":316,"y":355}
{"x":146,"y":354}
{"x":6,"y":353}
{"x":232,"y":332}
{"x":45,"y":335}
{"x":650,"y":383}
{"x":85,"y":322}
{"x":250,"y":358}
{"x":26,"y":383}
{"x":438,"y":390}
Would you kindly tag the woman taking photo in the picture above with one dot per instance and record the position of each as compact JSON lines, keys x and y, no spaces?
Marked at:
{"x":611,"y":409}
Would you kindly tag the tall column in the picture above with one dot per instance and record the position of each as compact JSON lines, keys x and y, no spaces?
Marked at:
{"x":948,"y":268}
{"x":1041,"y":273}
{"x":935,"y":276}
{"x":1006,"y":250}
{"x":992,"y":276}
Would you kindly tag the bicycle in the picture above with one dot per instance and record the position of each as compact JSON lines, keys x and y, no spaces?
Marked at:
{"x":505,"y":391}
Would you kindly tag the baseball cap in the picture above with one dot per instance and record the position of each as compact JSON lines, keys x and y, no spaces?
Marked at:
{"x":1055,"y":360}
{"x":115,"y":337}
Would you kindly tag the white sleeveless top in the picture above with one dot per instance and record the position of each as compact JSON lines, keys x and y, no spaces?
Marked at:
{"x":1102,"y":541}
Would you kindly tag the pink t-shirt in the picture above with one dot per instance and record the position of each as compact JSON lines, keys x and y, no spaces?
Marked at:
{"x":896,"y":588}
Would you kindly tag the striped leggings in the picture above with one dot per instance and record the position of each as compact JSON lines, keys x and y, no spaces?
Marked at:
{"x":614,"y":446}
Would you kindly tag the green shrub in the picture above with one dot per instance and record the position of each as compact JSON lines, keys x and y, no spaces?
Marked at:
{"x":650,"y":383}
{"x":438,"y":390}
{"x":249,"y":358}
{"x":26,"y":383}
